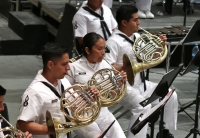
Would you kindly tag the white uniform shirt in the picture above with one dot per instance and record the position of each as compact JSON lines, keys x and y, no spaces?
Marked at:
{"x":37,"y":99}
{"x":118,"y":47}
{"x":84,"y":22}
{"x":82,"y":71}
{"x":1,"y":133}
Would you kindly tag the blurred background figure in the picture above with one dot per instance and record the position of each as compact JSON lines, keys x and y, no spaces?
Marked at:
{"x":144,"y":7}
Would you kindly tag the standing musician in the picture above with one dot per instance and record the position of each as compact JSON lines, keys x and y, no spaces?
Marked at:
{"x":93,"y":16}
{"x":41,"y":94}
{"x":2,"y":94}
{"x":83,"y":70}
{"x":121,"y":42}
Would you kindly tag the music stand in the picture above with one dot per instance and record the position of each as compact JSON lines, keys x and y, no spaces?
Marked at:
{"x":192,"y":36}
{"x":146,"y":117}
{"x":192,"y":65}
{"x":160,"y":91}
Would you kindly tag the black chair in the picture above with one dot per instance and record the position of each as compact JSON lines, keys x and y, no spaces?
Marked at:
{"x":65,"y":35}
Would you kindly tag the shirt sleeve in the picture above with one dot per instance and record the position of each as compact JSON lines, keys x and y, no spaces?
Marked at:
{"x":31,"y":106}
{"x":80,"y":25}
{"x":114,"y":50}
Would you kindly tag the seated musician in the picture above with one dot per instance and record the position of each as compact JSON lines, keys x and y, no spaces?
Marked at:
{"x":44,"y":93}
{"x":82,"y":70}
{"x":93,"y":16}
{"x":120,"y":43}
{"x":2,"y":95}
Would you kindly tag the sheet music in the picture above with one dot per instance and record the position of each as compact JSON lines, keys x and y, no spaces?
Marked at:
{"x":161,"y":103}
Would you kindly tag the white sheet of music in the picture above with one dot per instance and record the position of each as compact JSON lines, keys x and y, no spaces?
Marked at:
{"x":161,"y":103}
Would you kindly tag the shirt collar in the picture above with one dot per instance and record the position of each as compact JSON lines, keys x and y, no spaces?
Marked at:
{"x":40,"y":78}
{"x":84,"y":59}
{"x":117,"y":31}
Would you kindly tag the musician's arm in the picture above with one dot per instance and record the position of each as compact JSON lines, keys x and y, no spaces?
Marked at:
{"x":34,"y":127}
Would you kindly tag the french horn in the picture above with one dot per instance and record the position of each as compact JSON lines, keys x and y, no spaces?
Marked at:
{"x":150,"y":49}
{"x":12,"y":129}
{"x":83,"y":107}
{"x":110,"y":84}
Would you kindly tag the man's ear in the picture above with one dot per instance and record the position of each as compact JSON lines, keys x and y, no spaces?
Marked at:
{"x":50,"y":64}
{"x":87,"y":50}
{"x":124,"y":22}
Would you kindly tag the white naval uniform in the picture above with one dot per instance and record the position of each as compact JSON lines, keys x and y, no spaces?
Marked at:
{"x":84,"y":22}
{"x":37,"y":99}
{"x":82,"y":71}
{"x":1,"y":133}
{"x":135,"y":94}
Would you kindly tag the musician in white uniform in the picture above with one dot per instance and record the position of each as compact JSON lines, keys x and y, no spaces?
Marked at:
{"x":2,"y":94}
{"x":121,"y":43}
{"x":40,"y":95}
{"x":93,"y":16}
{"x":82,"y":70}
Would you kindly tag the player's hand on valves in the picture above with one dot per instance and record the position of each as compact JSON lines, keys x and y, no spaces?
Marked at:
{"x":27,"y":135}
{"x":163,"y":38}
{"x":95,"y":91}
{"x":124,"y":75}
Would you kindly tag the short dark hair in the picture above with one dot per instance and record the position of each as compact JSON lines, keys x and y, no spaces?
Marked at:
{"x":2,"y":91}
{"x":125,"y":13}
{"x":89,"y":41}
{"x":52,"y":51}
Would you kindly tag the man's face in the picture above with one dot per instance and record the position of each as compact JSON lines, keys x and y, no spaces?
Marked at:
{"x":133,"y":24}
{"x":60,"y":67}
{"x":96,"y":3}
{"x":1,"y":102}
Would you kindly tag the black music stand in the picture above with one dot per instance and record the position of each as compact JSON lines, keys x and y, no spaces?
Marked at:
{"x":193,"y":65}
{"x":160,"y":91}
{"x":147,"y":117}
{"x":192,"y":36}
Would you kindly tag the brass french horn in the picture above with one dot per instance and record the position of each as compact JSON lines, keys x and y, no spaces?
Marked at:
{"x":12,"y":129}
{"x":150,"y":49}
{"x":83,"y":107}
{"x":110,"y":84}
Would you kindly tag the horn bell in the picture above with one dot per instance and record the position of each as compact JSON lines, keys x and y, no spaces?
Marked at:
{"x":132,"y":68}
